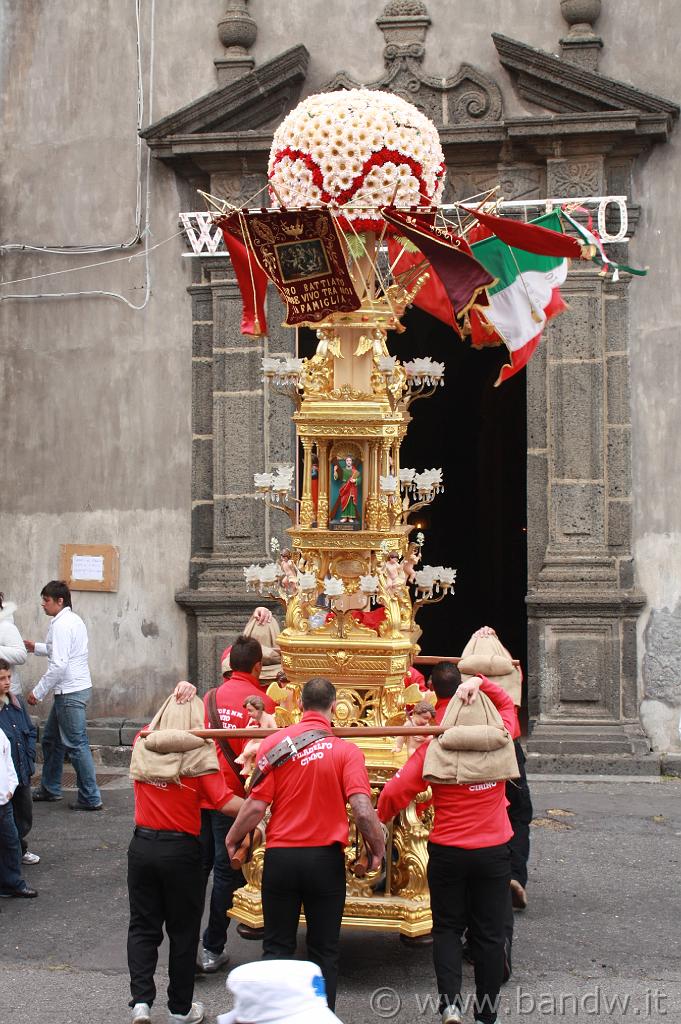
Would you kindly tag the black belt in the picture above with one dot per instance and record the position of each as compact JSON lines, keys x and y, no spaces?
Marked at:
{"x":156,"y":833}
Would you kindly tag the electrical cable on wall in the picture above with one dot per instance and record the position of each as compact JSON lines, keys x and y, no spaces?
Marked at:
{"x":70,"y":250}
{"x":141,"y":234}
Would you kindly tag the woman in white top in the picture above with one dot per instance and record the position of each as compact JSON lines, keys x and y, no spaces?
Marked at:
{"x":12,"y":648}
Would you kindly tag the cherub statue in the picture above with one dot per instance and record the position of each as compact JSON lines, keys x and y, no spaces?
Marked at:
{"x":411,"y":561}
{"x":393,"y":571}
{"x":289,"y":579}
{"x":422,"y":714}
{"x":395,"y":577}
{"x":258,"y":718}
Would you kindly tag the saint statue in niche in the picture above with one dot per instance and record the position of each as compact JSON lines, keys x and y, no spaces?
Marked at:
{"x":346,"y":493}
{"x":314,"y":486}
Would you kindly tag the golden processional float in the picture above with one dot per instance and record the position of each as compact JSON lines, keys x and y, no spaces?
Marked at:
{"x":354,"y":235}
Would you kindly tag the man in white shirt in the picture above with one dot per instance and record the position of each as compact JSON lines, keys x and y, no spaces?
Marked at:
{"x":68,"y":678}
{"x":11,"y":880}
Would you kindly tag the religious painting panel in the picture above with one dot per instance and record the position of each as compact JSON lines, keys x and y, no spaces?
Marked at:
{"x":346,"y":487}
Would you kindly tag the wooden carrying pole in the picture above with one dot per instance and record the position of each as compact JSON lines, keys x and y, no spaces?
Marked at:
{"x":258,"y":734}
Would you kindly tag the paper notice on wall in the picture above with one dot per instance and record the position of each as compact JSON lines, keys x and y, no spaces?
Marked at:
{"x":87,"y":567}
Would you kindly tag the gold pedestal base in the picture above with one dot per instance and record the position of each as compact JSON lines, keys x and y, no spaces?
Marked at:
{"x":381,"y":913}
{"x":403,"y":905}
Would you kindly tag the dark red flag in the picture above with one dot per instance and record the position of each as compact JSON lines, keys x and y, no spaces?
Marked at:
{"x":431,"y":297}
{"x":250,"y":277}
{"x":463,"y":277}
{"x":531,"y":237}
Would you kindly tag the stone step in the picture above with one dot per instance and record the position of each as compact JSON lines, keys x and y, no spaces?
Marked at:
{"x":598,"y":738}
{"x":106,"y":732}
{"x":593,"y":764}
{"x":579,"y":744}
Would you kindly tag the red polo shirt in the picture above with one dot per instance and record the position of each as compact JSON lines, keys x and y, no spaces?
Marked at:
{"x":308,"y":794}
{"x":414,"y":676}
{"x":469,"y":816}
{"x":230,"y":699}
{"x":176,"y":807}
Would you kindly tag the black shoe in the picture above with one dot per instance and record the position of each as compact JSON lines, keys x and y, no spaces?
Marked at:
{"x":26,"y":893}
{"x":417,"y":940}
{"x":78,"y":806}
{"x":246,"y":932}
{"x":41,"y":796}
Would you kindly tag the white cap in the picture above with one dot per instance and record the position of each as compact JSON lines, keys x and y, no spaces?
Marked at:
{"x":278,"y":992}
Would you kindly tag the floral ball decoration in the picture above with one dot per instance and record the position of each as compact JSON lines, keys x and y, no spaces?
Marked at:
{"x":359,"y":150}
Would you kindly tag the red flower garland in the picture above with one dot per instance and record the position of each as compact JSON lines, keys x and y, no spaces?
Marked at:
{"x":377,"y":159}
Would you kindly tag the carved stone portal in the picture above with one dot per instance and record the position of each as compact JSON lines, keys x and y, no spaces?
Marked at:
{"x":582,"y":602}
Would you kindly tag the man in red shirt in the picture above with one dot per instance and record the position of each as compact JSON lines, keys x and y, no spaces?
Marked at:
{"x":308,"y":831}
{"x":469,"y":861}
{"x":245,"y":663}
{"x":166,"y":886}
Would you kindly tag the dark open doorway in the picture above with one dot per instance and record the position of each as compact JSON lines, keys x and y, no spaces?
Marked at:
{"x":477,"y":434}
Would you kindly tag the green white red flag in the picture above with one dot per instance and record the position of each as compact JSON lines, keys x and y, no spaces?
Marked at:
{"x":593,"y":239}
{"x":523,"y":300}
{"x":533,"y":237}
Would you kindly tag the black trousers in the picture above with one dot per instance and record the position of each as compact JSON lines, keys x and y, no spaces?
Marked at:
{"x":469,"y":889}
{"x":226,"y":881}
{"x":165,"y":886}
{"x":22,"y":806}
{"x":520,"y":815}
{"x":311,"y":877}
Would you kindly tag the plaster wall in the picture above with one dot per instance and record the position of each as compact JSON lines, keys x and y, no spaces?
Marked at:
{"x":95,"y":397}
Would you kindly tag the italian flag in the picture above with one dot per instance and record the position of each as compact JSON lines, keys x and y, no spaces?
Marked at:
{"x":525,"y":297}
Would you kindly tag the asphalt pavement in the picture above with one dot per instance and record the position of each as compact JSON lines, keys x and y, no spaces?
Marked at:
{"x":600,"y":937}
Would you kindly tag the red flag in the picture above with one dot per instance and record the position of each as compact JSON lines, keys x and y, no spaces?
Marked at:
{"x":462,"y":276}
{"x":531,"y":237}
{"x":302,"y":252}
{"x":250,"y":277}
{"x":431,"y":297}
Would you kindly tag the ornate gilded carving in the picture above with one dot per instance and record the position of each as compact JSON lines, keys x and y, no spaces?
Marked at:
{"x":307,"y":512}
{"x":297,"y":612}
{"x":371,"y":512}
{"x":316,"y":376}
{"x":323,"y":511}
{"x":348,"y":393}
{"x":410,"y":838}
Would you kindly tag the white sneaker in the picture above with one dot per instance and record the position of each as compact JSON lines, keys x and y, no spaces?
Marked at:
{"x":30,"y":858}
{"x":194,"y":1016}
{"x":451,"y":1016}
{"x":141,"y":1013}
{"x":209,"y":963}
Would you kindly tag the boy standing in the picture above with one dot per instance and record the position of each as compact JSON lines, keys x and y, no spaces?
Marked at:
{"x":21,"y":733}
{"x":11,"y":880}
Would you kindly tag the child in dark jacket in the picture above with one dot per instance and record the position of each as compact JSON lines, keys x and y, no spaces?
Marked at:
{"x":21,"y":733}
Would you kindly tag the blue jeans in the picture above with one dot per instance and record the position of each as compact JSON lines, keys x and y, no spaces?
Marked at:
{"x":214,"y":828}
{"x":10,"y":852}
{"x":66,"y":731}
